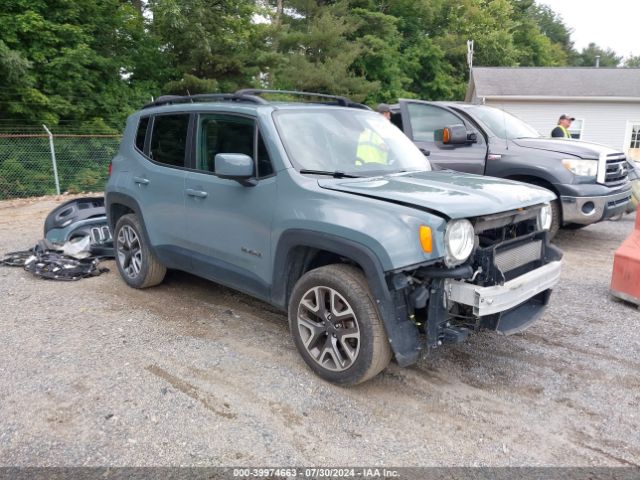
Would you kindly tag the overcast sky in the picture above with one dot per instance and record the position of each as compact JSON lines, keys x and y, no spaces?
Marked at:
{"x":611,"y":24}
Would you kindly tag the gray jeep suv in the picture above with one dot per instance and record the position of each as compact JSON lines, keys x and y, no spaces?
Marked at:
{"x":371,"y":259}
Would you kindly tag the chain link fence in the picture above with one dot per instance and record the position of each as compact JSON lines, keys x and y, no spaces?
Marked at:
{"x":35,"y":162}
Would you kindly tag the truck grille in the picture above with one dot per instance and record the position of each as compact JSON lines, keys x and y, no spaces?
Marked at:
{"x":616,"y":170}
{"x":512,"y":258}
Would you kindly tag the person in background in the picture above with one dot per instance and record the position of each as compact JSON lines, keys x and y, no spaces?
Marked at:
{"x":384,"y":110}
{"x":562,"y":129}
{"x":371,"y":147}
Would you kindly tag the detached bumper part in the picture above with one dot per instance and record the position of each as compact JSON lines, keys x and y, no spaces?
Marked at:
{"x":500,"y":298}
{"x":588,"y":210}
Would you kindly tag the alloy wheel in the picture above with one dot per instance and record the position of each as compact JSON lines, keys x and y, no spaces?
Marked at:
{"x":129,"y":251}
{"x":328,"y":328}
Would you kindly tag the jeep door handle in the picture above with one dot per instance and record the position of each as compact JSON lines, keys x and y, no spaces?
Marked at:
{"x":196,"y":193}
{"x":141,"y":181}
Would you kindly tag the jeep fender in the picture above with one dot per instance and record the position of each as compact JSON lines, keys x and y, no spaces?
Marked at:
{"x":403,"y":334}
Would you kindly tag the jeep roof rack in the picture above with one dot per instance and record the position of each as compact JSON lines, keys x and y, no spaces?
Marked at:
{"x":250,"y":95}
{"x":205,"y":97}
{"x":337,"y":99}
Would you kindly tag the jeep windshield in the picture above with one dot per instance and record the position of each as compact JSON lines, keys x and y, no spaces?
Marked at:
{"x":502,"y":124}
{"x":346,"y":142}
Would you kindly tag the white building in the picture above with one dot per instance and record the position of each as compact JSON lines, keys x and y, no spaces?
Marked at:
{"x":604,"y":101}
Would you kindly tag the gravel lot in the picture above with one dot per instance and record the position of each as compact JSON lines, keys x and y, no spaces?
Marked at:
{"x":191,"y":373}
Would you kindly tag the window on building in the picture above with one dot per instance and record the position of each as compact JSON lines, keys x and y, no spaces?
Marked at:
{"x":577,"y":127}
{"x":633,"y":147}
{"x":635,"y":136}
{"x":169,"y":139}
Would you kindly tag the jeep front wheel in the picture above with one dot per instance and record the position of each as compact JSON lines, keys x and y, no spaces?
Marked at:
{"x":336,"y":325}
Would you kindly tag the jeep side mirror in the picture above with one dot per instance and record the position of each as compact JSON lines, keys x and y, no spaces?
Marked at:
{"x":454,"y":135}
{"x":235,"y":166}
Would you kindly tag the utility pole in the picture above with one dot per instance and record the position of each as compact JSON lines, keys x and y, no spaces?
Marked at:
{"x":470,"y":54}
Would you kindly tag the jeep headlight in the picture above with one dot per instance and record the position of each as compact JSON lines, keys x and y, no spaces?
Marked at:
{"x":582,"y":168}
{"x":545,"y":215}
{"x":459,"y":239}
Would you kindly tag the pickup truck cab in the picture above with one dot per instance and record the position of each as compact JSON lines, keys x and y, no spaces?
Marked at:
{"x":370,"y":260}
{"x":589,"y":180}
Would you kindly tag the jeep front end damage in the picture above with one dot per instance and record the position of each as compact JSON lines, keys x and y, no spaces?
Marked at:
{"x":504,"y":286}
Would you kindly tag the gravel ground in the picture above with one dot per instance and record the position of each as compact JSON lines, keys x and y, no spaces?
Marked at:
{"x":191,"y":373}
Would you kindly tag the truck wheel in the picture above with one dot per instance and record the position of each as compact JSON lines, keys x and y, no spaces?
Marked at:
{"x":556,"y":216}
{"x":136,"y":263}
{"x":574,"y":226}
{"x":336,"y":325}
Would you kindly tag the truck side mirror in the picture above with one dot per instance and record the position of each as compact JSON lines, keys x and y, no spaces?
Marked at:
{"x":452,"y":135}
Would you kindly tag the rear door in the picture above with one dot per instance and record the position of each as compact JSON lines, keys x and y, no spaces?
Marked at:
{"x":228,"y":224}
{"x":420,"y":120}
{"x":157,"y":182}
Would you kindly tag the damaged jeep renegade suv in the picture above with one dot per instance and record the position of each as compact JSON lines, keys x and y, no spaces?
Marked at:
{"x":326,"y":210}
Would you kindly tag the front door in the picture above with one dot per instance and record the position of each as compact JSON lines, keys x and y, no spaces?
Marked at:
{"x":421,"y":120}
{"x":229,"y":224}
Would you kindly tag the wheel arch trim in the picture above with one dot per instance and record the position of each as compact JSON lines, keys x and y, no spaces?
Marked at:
{"x":402,"y":333}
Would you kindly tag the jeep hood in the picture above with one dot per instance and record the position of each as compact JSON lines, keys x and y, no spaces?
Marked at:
{"x":453,"y":194}
{"x":577,"y":148}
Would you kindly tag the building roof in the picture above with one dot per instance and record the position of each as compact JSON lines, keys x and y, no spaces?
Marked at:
{"x":552,"y":82}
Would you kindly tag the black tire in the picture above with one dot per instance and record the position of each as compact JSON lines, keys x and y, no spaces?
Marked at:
{"x":574,"y":226}
{"x":556,"y":219}
{"x":363,"y":358}
{"x":139,"y":270}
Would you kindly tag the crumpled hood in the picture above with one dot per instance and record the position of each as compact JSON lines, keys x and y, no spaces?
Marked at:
{"x":456,"y":195}
{"x":569,"y":147}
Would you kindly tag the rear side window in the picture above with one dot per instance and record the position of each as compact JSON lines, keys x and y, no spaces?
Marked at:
{"x":142,"y":133}
{"x":169,"y":139}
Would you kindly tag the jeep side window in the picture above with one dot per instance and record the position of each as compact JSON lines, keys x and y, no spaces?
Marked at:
{"x":426,"y":119}
{"x":169,"y":139}
{"x":229,"y":134}
{"x":141,"y":134}
{"x":222,"y":134}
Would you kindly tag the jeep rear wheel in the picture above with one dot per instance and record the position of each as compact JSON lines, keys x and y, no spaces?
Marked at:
{"x":336,"y":325}
{"x":136,"y":263}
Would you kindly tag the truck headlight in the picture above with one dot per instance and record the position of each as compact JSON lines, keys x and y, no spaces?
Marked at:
{"x":545,"y":215}
{"x":459,"y":239}
{"x":583,"y":168}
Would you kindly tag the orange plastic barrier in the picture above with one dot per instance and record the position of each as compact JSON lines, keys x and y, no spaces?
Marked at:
{"x":625,"y":280}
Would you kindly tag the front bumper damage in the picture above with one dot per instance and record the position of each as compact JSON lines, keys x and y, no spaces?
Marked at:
{"x":504,"y":287}
{"x":498,"y":298}
{"x":503,"y":299}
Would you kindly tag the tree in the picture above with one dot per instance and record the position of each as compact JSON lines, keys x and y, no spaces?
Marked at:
{"x":77,"y":60}
{"x":210,"y":41}
{"x":632,"y":62}
{"x":587,"y":57}
{"x":318,"y":47}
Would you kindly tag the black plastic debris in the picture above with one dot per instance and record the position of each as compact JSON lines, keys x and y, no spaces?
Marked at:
{"x":46,"y":260}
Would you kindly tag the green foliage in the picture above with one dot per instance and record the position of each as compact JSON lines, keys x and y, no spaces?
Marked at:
{"x":93,"y":62}
{"x":632,"y":62}
{"x":587,"y":57}
{"x":190,"y":85}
